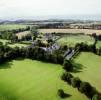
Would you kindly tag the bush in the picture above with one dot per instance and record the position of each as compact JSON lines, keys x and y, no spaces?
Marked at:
{"x":67,"y":77}
{"x":1,"y":43}
{"x":96,"y":97}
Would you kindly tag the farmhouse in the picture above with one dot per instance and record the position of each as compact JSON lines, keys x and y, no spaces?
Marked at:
{"x":52,"y":48}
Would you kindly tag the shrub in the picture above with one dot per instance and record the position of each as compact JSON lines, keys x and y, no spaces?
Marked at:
{"x":96,"y":97}
{"x":67,"y":77}
{"x":87,"y":89}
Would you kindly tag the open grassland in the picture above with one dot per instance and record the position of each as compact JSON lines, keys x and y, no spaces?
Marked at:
{"x":85,"y":31}
{"x":33,"y":80}
{"x":21,"y":34}
{"x":11,"y":26}
{"x":89,"y":68}
{"x":71,"y":40}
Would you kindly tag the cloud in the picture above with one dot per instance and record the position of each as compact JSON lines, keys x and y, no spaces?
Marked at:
{"x":15,"y":8}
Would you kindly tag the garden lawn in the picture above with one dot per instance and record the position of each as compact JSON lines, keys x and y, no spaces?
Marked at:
{"x":90,"y":69}
{"x":33,"y":80}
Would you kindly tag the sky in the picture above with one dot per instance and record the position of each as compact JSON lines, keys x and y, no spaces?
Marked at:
{"x":42,"y":8}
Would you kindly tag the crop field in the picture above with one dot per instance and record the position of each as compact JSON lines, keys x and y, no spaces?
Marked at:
{"x":89,"y":69}
{"x":25,"y":79}
{"x":71,"y":40}
{"x":11,"y":26}
{"x":21,"y":34}
{"x":85,"y":31}
{"x":17,"y":45}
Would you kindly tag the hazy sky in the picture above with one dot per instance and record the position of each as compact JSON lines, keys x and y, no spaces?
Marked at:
{"x":26,"y":8}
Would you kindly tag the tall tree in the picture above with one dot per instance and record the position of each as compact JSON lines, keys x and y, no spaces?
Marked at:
{"x":34,"y":31}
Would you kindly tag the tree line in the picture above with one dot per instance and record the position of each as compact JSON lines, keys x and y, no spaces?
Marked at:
{"x":83,"y":87}
{"x":36,"y":53}
{"x":11,"y":34}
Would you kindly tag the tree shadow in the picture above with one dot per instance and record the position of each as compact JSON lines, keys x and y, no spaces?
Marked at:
{"x":20,"y":59}
{"x":66,"y":95}
{"x":77,"y":68}
{"x":6,"y":65}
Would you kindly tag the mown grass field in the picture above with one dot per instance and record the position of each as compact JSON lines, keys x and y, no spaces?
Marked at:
{"x":33,"y":80}
{"x":71,"y":40}
{"x":11,"y":26}
{"x":89,"y":67}
{"x":86,"y":31}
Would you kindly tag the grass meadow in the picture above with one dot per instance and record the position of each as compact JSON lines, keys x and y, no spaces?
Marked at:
{"x":25,"y":79}
{"x":71,"y":40}
{"x":89,"y":69}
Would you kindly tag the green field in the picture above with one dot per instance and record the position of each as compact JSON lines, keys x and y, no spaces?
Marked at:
{"x":23,"y":44}
{"x":98,"y":44}
{"x":90,"y":69}
{"x":71,"y":40}
{"x":33,"y":80}
{"x":4,"y":41}
{"x":11,"y":26}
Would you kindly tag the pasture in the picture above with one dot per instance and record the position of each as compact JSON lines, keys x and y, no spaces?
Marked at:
{"x":25,"y":79}
{"x":85,"y":31}
{"x":89,"y":69}
{"x":11,"y":26}
{"x":71,"y":40}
